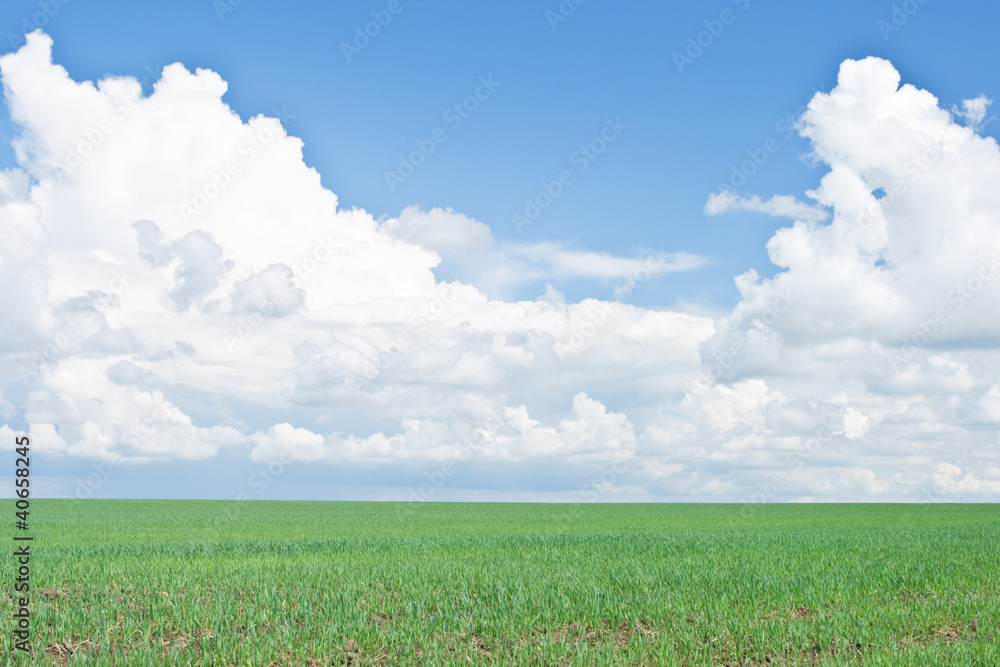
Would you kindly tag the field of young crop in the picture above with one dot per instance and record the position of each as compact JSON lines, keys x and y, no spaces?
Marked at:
{"x":289,"y":583}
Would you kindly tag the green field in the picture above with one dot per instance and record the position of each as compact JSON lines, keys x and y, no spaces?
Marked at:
{"x":295,"y":583}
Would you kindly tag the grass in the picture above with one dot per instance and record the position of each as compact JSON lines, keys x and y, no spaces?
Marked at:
{"x":289,"y":583}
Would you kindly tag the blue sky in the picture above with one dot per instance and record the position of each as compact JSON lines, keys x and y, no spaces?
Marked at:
{"x":556,"y":84}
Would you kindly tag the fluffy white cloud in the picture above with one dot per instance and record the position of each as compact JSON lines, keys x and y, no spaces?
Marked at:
{"x":175,"y":249}
{"x":285,"y":443}
{"x":592,"y":434}
{"x":179,"y":284}
{"x":855,"y":424}
{"x":949,"y":479}
{"x":102,"y":414}
{"x":890,"y":303}
{"x":906,"y":265}
{"x":440,"y":230}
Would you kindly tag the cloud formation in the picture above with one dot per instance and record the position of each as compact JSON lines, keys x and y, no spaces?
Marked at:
{"x":180,"y":284}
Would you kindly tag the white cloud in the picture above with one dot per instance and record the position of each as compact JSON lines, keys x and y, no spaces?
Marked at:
{"x":861,"y":483}
{"x":555,"y":260}
{"x":552,"y":295}
{"x":440,"y":230}
{"x":159,"y":250}
{"x":503,"y":268}
{"x":724,"y":407}
{"x":510,"y":434}
{"x":283,"y":442}
{"x":949,"y":479}
{"x":903,"y":177}
{"x":855,"y":424}
{"x":780,"y":206}
{"x":47,"y":439}
{"x":99,"y":418}
{"x":198,"y":251}
{"x":974,"y":111}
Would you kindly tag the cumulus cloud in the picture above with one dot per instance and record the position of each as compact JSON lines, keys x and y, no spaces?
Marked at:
{"x":511,"y":434}
{"x":950,"y":479}
{"x":179,"y":249}
{"x":440,"y":230}
{"x":101,"y":413}
{"x":270,"y":291}
{"x":855,"y":424}
{"x":285,"y":443}
{"x":891,"y":299}
{"x":180,"y":284}
{"x":903,"y":177}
